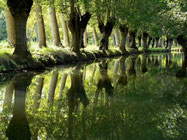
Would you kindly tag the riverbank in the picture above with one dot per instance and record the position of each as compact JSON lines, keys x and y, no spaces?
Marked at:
{"x":48,"y":57}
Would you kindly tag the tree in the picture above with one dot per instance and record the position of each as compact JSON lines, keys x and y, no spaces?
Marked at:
{"x":41,"y":27}
{"x":54,"y":26}
{"x":20,"y":10}
{"x":77,"y":24}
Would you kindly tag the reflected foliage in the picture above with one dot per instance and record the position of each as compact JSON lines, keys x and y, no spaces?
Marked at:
{"x":125,"y":98}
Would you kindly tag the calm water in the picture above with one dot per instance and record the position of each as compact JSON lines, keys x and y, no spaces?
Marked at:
{"x":134,"y":98}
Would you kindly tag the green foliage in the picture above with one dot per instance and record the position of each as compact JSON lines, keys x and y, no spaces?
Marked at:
{"x":3,"y":33}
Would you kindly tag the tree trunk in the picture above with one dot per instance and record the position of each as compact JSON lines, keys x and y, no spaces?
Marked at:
{"x":170,"y":44}
{"x":149,"y":42}
{"x":65,"y":30}
{"x":153,"y":43}
{"x":106,"y":31}
{"x":117,"y":37}
{"x":124,"y":33}
{"x":54,"y":27}
{"x":10,"y":27}
{"x":77,"y":27}
{"x":145,"y":46}
{"x":114,"y":40}
{"x":132,"y":35}
{"x":41,"y":27}
{"x":95,"y":36}
{"x":85,"y":38}
{"x":20,"y":10}
{"x":157,"y":42}
{"x":160,"y":42}
{"x":139,"y":41}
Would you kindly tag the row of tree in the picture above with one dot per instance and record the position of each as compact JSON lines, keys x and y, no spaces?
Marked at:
{"x":136,"y":18}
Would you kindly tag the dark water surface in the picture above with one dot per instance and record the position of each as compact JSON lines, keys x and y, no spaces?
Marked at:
{"x":136,"y":98}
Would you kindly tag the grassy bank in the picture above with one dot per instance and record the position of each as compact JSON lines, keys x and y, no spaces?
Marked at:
{"x":50,"y":56}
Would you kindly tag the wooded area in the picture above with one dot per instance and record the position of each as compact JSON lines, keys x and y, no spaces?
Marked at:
{"x":153,"y":23}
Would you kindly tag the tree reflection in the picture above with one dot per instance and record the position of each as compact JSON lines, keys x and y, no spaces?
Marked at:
{"x":122,"y":80}
{"x":182,"y":72}
{"x":18,"y":128}
{"x":75,"y":94}
{"x":132,"y":70}
{"x":104,"y":81}
{"x":144,"y":63}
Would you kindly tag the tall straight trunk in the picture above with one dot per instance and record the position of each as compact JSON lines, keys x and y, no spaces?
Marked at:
{"x":157,"y":42}
{"x":85,"y":38}
{"x":149,"y":42}
{"x":124,"y":34}
{"x":54,"y":27}
{"x":41,"y":27}
{"x":132,"y":35}
{"x":65,"y":31}
{"x":20,"y":10}
{"x":10,"y":27}
{"x":52,"y":88}
{"x":145,"y":46}
{"x":117,"y":37}
{"x":95,"y":36}
{"x":140,"y":41}
{"x":106,"y":31}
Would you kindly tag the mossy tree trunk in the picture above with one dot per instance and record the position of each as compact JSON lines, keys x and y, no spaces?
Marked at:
{"x":20,"y":10}
{"x":124,"y":33}
{"x":40,"y":24}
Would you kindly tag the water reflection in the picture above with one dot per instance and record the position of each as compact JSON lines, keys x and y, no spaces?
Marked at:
{"x":18,"y":128}
{"x":126,"y":98}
